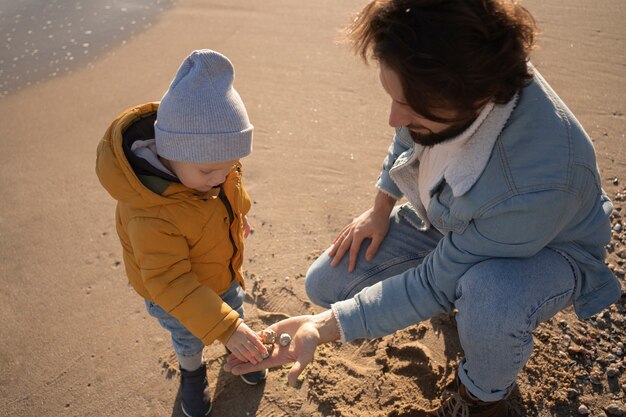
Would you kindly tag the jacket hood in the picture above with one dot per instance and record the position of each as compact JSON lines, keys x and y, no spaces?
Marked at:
{"x":117,"y":175}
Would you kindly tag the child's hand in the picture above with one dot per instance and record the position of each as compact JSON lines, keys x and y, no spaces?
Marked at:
{"x":246,"y":345}
{"x":246,"y":227}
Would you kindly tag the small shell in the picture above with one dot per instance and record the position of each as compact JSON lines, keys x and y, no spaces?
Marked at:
{"x":285,"y":339}
{"x":268,"y":336}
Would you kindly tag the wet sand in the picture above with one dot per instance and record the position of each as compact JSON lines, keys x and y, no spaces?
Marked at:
{"x":77,"y":341}
{"x":46,"y":39}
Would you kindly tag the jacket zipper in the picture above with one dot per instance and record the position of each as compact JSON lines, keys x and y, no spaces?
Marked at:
{"x":231,"y":217}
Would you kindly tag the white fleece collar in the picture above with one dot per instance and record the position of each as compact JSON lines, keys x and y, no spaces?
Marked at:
{"x":466,"y":167}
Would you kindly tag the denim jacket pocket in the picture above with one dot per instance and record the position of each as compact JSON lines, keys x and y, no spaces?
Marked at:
{"x":408,"y":213}
{"x":440,"y":215}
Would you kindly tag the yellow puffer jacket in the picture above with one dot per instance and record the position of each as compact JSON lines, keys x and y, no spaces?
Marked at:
{"x":182,"y":248}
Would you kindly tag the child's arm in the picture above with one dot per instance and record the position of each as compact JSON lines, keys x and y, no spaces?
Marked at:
{"x":162,"y":254}
{"x":246,"y":345}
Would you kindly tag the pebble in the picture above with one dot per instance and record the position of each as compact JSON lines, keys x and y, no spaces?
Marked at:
{"x":583,"y":410}
{"x":617,"y":227}
{"x":615,"y":410}
{"x":602,"y":323}
{"x":612,"y":372}
{"x":572,"y":393}
{"x":574,"y":349}
{"x":595,"y":380}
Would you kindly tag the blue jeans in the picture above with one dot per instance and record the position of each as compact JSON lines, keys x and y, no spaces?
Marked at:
{"x":500,"y":301}
{"x":185,"y":343}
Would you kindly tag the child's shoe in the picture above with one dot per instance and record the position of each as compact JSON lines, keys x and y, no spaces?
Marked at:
{"x":194,"y":388}
{"x":253,"y":378}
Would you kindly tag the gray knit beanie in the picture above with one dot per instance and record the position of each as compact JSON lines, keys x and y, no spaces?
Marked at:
{"x":201,"y":117}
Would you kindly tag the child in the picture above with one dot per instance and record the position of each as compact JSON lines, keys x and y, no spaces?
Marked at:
{"x":174,"y":170}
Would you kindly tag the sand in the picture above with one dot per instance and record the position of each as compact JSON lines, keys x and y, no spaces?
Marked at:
{"x":76,"y":340}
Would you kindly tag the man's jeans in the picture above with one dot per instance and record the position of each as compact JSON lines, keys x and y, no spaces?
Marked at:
{"x":500,"y":301}
{"x":186,"y":344}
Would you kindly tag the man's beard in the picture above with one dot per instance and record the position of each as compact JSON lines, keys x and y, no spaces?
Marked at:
{"x":431,"y":139}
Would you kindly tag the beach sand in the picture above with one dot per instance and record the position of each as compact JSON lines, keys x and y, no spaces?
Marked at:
{"x":77,"y":341}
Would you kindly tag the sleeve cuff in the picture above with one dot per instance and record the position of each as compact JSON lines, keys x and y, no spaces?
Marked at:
{"x":342,"y":335}
{"x":387,"y":186}
{"x":348,"y":316}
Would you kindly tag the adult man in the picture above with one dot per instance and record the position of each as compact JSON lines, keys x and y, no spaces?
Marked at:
{"x":507,"y":219}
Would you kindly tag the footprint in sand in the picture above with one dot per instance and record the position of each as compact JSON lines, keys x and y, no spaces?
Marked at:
{"x":281,"y":300}
{"x":413,"y":361}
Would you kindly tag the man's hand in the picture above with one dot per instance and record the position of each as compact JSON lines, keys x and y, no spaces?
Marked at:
{"x":246,"y":345}
{"x":306,"y":333}
{"x":373,"y":224}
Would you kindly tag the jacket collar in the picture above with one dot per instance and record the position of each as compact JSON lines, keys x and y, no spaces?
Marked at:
{"x":466,"y":166}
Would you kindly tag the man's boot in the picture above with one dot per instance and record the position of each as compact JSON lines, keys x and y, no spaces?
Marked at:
{"x":463,"y":404}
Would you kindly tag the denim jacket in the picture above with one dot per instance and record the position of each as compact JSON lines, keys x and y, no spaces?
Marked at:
{"x":527,"y":179}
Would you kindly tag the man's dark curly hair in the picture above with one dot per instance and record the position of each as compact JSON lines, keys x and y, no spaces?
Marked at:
{"x":448,"y":54}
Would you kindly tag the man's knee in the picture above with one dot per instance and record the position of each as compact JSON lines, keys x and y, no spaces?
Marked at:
{"x":486,"y":305}
{"x":317,"y":281}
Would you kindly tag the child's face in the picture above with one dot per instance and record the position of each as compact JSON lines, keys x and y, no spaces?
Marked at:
{"x":201,"y":177}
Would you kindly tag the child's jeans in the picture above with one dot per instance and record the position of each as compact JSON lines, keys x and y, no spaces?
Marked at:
{"x":186,"y":344}
{"x":500,"y":301}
